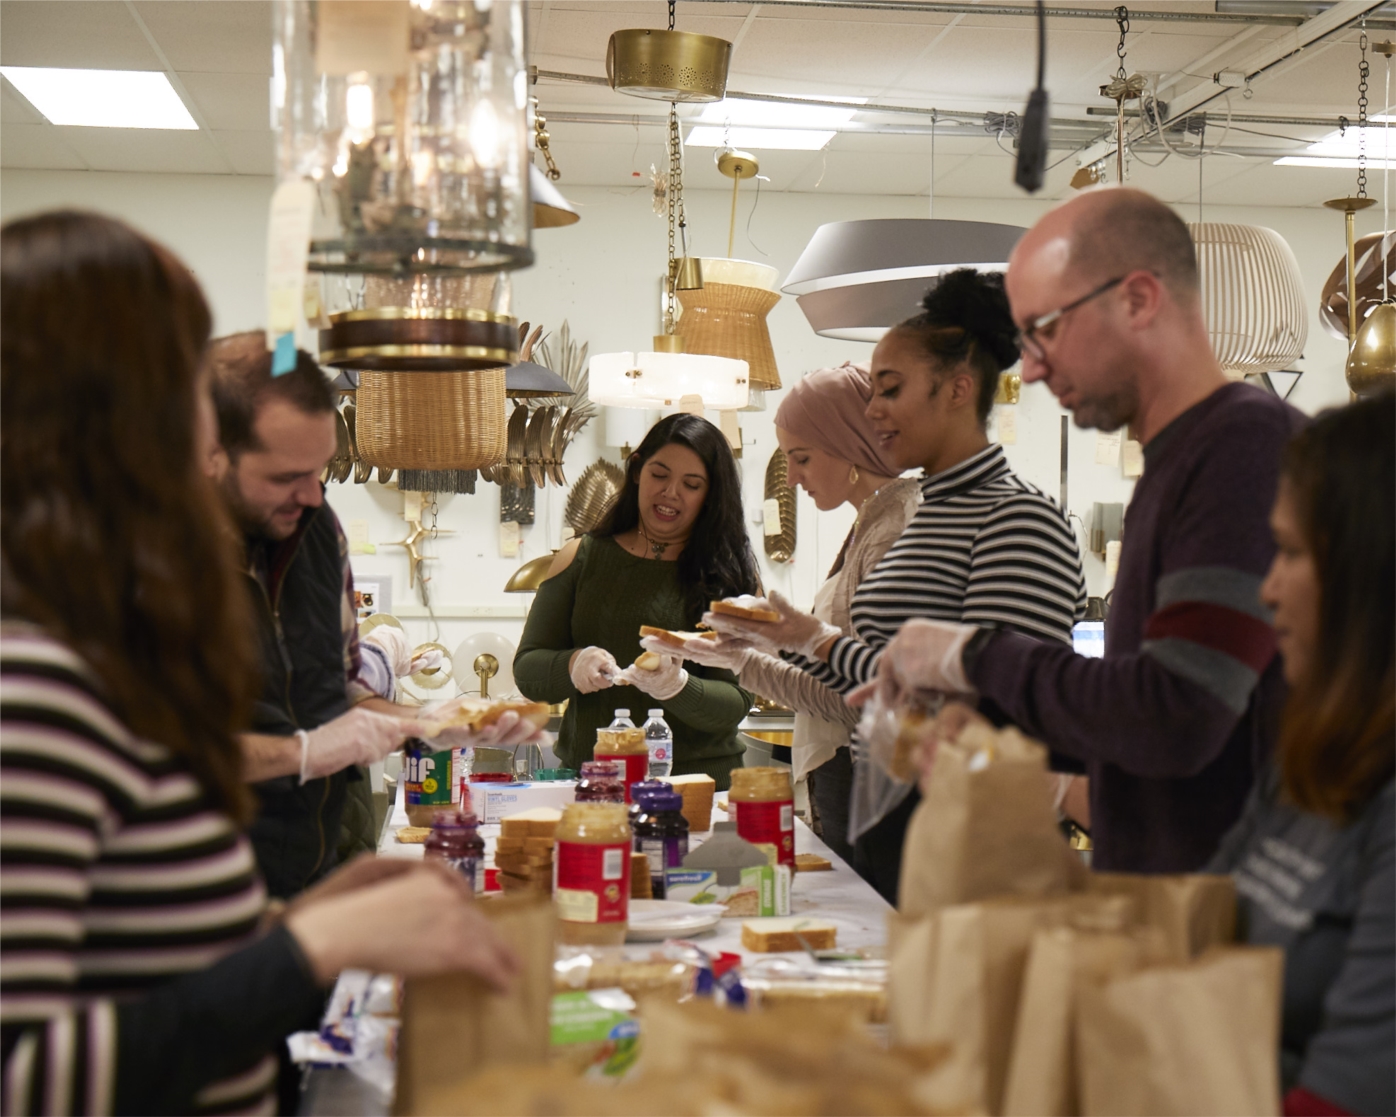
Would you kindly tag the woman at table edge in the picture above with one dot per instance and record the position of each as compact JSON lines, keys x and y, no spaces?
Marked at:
{"x":674,"y":539}
{"x":1314,"y":853}
{"x":833,"y":454}
{"x":139,"y":970}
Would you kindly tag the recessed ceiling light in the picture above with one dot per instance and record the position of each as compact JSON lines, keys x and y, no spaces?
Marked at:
{"x":769,"y":124}
{"x":102,"y":98}
{"x":1340,"y":149}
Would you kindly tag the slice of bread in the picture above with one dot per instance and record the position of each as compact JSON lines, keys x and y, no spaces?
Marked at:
{"x":477,"y":713}
{"x":767,"y":936}
{"x":812,"y":863}
{"x":676,"y":640}
{"x":540,"y":822}
{"x":647,"y":661}
{"x":744,"y":607}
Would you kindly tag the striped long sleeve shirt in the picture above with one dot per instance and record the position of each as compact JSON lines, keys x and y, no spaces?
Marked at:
{"x":1178,"y":717}
{"x":131,"y":979}
{"x":984,"y":547}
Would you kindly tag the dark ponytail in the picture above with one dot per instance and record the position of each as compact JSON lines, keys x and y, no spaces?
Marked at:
{"x":965,"y":318}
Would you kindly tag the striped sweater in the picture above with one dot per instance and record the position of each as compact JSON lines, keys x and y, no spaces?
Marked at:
{"x":985,"y":547}
{"x":130,"y":976}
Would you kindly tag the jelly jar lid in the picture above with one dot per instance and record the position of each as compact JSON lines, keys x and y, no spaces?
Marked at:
{"x":453,"y":820}
{"x":662,"y":800}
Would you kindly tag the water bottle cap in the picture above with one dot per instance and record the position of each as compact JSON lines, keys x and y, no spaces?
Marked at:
{"x":622,"y":713}
{"x":656,"y":713}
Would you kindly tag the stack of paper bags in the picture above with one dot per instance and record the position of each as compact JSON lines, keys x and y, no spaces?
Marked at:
{"x":1045,"y":979}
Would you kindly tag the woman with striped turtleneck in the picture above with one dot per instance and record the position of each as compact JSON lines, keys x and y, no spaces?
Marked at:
{"x":985,"y":547}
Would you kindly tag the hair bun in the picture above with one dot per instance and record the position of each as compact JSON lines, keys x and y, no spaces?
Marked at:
{"x":976,"y":302}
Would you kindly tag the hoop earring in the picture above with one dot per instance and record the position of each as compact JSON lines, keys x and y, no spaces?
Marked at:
{"x":853,"y":475}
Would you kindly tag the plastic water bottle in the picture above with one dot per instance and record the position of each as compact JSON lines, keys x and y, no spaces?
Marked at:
{"x":622,"y":721}
{"x":660,"y":739}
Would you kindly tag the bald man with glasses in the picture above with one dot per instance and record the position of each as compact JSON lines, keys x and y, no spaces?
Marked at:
{"x":1176,"y":719}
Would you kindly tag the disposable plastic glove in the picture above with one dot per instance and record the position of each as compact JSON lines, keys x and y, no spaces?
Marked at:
{"x":359,"y":737}
{"x":729,"y":653}
{"x":663,"y":682}
{"x":593,"y":669}
{"x":924,"y":655}
{"x":428,"y":659}
{"x":395,"y":645}
{"x":794,"y":632}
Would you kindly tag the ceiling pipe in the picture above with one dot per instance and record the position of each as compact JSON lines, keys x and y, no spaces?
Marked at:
{"x":1143,"y":14}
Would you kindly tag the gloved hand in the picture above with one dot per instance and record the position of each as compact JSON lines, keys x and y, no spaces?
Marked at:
{"x":430,"y":658}
{"x":395,"y":645}
{"x":507,"y":731}
{"x":924,"y":655}
{"x":729,"y":652}
{"x":593,"y":669}
{"x":663,"y":682}
{"x":359,"y":737}
{"x":794,"y":632}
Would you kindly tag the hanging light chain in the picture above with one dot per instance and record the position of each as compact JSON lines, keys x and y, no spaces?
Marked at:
{"x":675,"y":201}
{"x":1364,"y":70}
{"x":1122,"y":21}
{"x":671,"y":15}
{"x":541,"y":138}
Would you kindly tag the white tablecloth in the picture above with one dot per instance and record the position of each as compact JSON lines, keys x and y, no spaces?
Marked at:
{"x":840,"y":896}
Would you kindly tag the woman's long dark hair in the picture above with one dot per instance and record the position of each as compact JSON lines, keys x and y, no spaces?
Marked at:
{"x":111,"y":538}
{"x":717,"y":561}
{"x":1338,"y":742}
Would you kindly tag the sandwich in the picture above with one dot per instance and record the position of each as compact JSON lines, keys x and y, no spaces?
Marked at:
{"x":676,"y":640}
{"x":745,"y":607}
{"x":478,"y":713}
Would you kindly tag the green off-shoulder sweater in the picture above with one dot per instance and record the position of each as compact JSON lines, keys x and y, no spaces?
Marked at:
{"x":602,"y":599}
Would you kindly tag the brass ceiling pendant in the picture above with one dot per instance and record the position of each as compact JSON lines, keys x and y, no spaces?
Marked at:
{"x":668,"y":65}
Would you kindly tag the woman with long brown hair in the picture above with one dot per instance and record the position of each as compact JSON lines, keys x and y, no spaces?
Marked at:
{"x":139,"y":972}
{"x":1314,"y":854}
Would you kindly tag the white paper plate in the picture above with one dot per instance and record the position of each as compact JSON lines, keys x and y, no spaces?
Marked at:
{"x":651,"y":920}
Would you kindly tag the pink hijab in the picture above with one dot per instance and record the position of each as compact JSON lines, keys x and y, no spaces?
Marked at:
{"x":826,"y":410}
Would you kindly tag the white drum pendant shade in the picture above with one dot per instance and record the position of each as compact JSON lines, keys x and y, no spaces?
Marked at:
{"x":1252,"y":297}
{"x":661,"y":380}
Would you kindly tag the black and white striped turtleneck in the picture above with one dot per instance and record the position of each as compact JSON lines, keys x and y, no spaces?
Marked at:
{"x":985,"y":547}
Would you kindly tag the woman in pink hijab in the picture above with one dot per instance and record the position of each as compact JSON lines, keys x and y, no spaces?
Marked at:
{"x":834,"y":456}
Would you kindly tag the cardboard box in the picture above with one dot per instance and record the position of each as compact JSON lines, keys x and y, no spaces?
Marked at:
{"x":763,"y":890}
{"x":495,"y":800}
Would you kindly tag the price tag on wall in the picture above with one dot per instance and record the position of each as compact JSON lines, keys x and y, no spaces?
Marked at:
{"x":1107,"y":447}
{"x":1132,"y":461}
{"x":770,"y":516}
{"x":1008,"y":426}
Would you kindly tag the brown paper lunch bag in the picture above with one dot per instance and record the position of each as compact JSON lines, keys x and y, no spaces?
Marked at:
{"x":1042,"y":1079}
{"x":954,"y":978}
{"x":985,"y":826}
{"x":454,"y":1027}
{"x":1199,"y":1039}
{"x":1195,"y":911}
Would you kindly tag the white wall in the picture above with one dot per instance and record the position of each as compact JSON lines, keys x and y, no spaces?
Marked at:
{"x":601,"y":275}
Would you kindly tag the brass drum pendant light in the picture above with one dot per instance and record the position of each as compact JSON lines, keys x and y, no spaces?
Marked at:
{"x":668,"y":65}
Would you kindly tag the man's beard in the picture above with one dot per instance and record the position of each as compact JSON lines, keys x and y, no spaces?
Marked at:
{"x":253,"y":525}
{"x":1107,"y":413}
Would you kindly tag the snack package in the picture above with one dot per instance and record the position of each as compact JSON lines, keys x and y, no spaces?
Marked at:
{"x":859,"y":985}
{"x":595,"y":1032}
{"x":359,"y":1030}
{"x":671,"y":970}
{"x":760,"y":890}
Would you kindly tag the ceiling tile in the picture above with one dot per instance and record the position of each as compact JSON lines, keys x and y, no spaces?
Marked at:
{"x":231,"y":101}
{"x":78,"y":34}
{"x":145,"y":150}
{"x":250,"y":152}
{"x":812,"y":52}
{"x":221,"y":36}
{"x":14,"y":109}
{"x":36,"y":147}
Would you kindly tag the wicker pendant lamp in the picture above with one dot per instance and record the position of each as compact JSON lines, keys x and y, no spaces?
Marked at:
{"x":1252,"y":297}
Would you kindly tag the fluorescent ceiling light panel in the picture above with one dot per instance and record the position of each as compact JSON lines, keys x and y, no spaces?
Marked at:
{"x":102,"y":98}
{"x":769,"y":125}
{"x":1340,"y":150}
{"x":758,"y":139}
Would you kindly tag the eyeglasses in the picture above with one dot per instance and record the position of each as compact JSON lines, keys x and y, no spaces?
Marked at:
{"x":1028,"y":337}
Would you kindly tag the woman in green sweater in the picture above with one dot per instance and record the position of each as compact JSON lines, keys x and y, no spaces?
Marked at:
{"x":674,"y":539}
